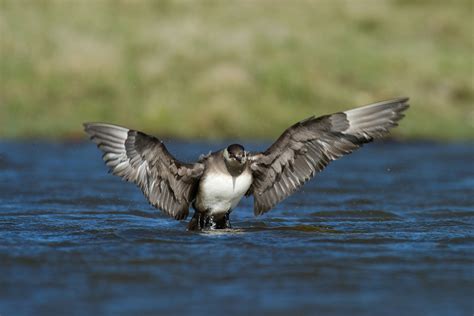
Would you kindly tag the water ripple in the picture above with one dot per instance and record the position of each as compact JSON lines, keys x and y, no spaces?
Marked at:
{"x":378,"y":229}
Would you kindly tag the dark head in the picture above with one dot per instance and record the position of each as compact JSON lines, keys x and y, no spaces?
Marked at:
{"x":235,"y":153}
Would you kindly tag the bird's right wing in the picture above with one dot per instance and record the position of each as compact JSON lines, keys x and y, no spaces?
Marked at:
{"x":309,"y":146}
{"x":137,"y":157}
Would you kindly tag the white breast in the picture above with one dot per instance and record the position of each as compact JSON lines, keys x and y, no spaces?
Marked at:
{"x":219,"y":192}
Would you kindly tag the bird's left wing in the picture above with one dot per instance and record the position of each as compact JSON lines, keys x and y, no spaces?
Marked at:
{"x":309,"y":146}
{"x":143,"y":159}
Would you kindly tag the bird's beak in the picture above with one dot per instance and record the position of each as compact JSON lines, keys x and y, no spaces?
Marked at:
{"x":239,"y":158}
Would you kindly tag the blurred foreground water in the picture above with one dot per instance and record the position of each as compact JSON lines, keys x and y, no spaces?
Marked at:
{"x":387,"y":229}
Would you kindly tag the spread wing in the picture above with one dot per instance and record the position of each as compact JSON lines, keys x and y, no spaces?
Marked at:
{"x":168,"y":184}
{"x":309,"y":146}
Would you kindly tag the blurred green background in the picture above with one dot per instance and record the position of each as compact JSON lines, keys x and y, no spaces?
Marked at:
{"x":215,"y":69}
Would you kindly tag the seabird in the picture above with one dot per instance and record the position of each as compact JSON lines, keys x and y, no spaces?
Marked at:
{"x":216,"y":183}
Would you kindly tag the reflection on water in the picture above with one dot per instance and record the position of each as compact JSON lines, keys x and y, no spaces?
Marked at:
{"x":388,"y":229}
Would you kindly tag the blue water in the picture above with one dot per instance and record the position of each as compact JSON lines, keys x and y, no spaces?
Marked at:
{"x":387,"y":230}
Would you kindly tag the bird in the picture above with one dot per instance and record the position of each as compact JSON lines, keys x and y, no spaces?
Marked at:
{"x":216,"y":182}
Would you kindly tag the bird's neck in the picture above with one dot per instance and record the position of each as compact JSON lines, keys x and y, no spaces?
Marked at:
{"x":236,"y":169}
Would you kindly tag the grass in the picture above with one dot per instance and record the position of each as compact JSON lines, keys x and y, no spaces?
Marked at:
{"x":211,"y":69}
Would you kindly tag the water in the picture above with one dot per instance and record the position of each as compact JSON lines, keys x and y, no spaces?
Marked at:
{"x":388,"y":229}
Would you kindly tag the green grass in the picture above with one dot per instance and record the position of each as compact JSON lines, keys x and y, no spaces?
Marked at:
{"x":210,"y":69}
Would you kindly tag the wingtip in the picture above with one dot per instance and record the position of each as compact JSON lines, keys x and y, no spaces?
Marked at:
{"x":404,"y":105}
{"x":404,"y":99}
{"x":86,"y":129}
{"x":400,"y":100}
{"x":89,"y":125}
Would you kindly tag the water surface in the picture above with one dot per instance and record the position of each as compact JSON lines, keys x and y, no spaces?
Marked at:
{"x":388,"y":229}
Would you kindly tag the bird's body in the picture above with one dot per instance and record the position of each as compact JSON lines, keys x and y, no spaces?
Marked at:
{"x":216,"y":183}
{"x":219,"y":190}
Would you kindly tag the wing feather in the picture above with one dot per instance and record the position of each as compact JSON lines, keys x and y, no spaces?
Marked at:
{"x":137,"y":157}
{"x":308,"y":146}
